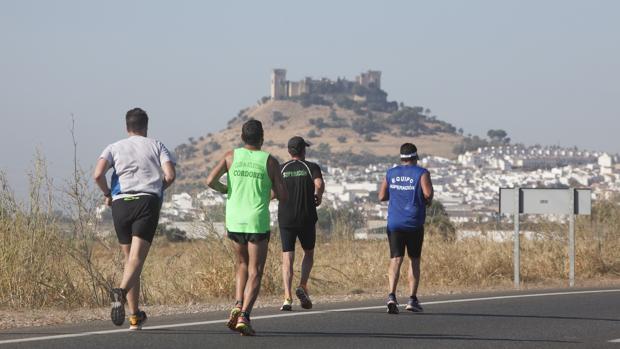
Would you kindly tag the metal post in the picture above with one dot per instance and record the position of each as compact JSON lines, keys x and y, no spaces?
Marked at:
{"x":571,"y":238}
{"x":517,"y":248}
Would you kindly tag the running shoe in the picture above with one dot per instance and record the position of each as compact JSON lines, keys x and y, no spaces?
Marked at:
{"x":119,"y":298}
{"x":244,"y":327}
{"x":287,"y":305}
{"x":137,"y":320}
{"x":413,"y":305}
{"x":234,"y":316}
{"x":392,"y":304}
{"x":304,"y":299}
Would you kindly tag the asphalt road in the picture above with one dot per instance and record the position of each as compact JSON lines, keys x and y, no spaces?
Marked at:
{"x":585,"y":318}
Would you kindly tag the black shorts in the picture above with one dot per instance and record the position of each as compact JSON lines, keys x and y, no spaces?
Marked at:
{"x":136,"y":216}
{"x":244,"y":238}
{"x":412,"y":239}
{"x":306,"y":235}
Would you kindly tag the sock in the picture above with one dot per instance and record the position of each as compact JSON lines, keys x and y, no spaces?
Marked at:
{"x":239,"y":304}
{"x":413,"y":298}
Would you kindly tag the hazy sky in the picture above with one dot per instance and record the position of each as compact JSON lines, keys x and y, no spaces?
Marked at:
{"x":545,"y":71}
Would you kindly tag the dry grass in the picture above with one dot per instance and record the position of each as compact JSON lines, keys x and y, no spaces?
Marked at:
{"x":181,"y":273}
{"x":45,"y":263}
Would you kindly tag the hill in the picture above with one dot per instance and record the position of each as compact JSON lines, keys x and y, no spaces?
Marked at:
{"x":342,"y":131}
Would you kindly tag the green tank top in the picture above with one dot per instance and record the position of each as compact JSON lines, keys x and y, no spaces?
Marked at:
{"x":249,"y":192}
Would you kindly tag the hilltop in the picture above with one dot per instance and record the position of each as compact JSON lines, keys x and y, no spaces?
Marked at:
{"x":348,"y":122}
{"x":338,"y":135}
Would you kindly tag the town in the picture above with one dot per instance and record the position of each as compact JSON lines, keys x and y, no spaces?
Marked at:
{"x":467,"y":187}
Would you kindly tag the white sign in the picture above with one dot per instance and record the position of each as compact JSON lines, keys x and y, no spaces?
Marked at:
{"x":545,"y":201}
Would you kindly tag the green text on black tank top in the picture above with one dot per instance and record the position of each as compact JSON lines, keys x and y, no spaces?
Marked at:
{"x":249,"y":192}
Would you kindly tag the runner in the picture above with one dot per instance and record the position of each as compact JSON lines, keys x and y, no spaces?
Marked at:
{"x":251,"y":176}
{"x":409,"y":190}
{"x":297,"y":218}
{"x":143,"y":169}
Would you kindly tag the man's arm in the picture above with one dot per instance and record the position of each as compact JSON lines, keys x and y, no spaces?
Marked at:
{"x":319,"y":189}
{"x":319,"y":184}
{"x":427,"y":188}
{"x":279,"y":187}
{"x":170,"y":174}
{"x":213,"y":180}
{"x":99,"y":176}
{"x":384,"y":194}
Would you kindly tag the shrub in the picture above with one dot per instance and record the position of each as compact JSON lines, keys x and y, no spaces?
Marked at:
{"x":277,"y":116}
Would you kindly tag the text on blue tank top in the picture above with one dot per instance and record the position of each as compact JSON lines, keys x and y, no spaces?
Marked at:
{"x":406,"y":207}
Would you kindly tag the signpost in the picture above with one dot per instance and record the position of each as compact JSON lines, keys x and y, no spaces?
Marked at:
{"x":545,"y":201}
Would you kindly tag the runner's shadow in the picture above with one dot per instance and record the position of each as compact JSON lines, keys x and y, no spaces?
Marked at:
{"x":173,"y":331}
{"x":543,"y":317}
{"x":311,"y":334}
{"x":403,"y":336}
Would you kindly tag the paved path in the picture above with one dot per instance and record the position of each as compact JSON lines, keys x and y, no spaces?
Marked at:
{"x":553,"y":318}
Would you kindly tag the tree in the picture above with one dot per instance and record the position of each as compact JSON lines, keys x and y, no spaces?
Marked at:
{"x":368,"y":126}
{"x":438,"y":220}
{"x":498,"y":136}
{"x":277,"y":116}
{"x":470,"y":143}
{"x":344,"y":102}
{"x":324,"y":148}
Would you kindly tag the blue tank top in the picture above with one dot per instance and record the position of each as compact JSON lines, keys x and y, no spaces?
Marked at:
{"x":406,"y":208}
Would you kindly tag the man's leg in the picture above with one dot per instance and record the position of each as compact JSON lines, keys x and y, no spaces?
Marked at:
{"x":397,"y":251}
{"x":288,"y":258}
{"x":257,"y":252}
{"x":307,"y":238}
{"x":288,"y":237}
{"x":306,"y":266}
{"x":302,"y":291}
{"x":135,"y":255}
{"x":414,"y":276}
{"x":414,"y":249}
{"x":394,"y":273}
{"x":241,"y":276}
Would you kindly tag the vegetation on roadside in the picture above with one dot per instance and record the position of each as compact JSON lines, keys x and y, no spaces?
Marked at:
{"x":49,"y":261}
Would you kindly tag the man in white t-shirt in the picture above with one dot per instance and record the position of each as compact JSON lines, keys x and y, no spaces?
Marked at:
{"x":142,"y":169}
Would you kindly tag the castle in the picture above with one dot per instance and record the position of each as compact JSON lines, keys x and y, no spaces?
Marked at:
{"x":282,"y":88}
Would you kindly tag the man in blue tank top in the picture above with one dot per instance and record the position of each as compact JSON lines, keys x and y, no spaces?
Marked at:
{"x":408,"y":190}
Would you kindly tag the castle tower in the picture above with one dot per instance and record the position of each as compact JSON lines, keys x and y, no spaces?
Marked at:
{"x":278,"y":84}
{"x":374,"y":77}
{"x":371,"y":77}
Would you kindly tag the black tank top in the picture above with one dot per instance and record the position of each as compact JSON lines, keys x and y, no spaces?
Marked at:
{"x":299,"y":210}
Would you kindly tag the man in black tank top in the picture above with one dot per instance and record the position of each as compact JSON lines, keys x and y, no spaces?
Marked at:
{"x":297,"y":218}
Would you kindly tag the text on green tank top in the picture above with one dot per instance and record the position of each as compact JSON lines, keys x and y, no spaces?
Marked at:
{"x":249,"y":192}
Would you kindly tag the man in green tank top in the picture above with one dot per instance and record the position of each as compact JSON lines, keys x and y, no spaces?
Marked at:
{"x":252,"y":176}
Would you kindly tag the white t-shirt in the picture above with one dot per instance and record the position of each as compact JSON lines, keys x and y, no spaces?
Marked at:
{"x":137,"y":164}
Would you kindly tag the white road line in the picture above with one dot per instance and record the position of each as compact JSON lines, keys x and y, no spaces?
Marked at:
{"x":199,"y":323}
